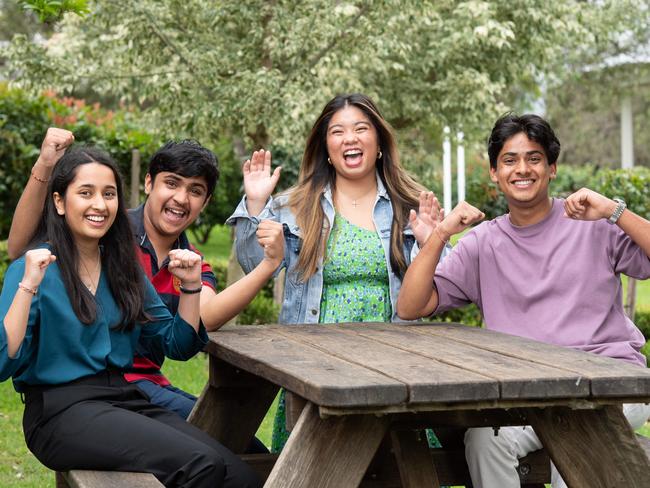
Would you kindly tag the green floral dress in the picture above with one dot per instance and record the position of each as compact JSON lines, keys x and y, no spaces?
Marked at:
{"x":355,"y":289}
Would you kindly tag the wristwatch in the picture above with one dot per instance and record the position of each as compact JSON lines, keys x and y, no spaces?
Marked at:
{"x":618,"y":211}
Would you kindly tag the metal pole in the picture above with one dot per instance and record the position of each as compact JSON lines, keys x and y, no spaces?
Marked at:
{"x":446,"y":172}
{"x":627,"y":132}
{"x":460,"y":166}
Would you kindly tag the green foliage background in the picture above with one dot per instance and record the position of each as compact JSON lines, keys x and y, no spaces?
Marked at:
{"x":24,"y":120}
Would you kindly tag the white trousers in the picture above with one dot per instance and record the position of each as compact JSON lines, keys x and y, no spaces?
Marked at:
{"x":493,"y":459}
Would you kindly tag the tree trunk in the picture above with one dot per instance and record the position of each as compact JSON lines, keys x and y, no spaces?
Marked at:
{"x":134,"y":199}
{"x":278,"y":287}
{"x":235,"y":272}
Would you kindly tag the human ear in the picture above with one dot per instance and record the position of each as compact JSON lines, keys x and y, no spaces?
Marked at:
{"x":205,"y":204}
{"x":148,"y":183}
{"x":493,"y":175}
{"x":59,"y":204}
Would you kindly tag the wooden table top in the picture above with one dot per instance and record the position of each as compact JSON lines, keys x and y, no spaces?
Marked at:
{"x":423,"y":366}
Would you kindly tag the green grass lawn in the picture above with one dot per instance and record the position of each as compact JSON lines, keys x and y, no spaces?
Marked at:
{"x":19,"y":468}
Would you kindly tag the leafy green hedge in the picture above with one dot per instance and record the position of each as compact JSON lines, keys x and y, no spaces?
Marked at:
{"x":262,"y":310}
{"x":24,"y":120}
{"x":633,"y":185}
{"x":4,"y":261}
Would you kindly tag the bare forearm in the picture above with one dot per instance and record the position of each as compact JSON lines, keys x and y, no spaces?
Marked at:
{"x":30,"y":205}
{"x":217,"y":309}
{"x":418,"y":297}
{"x":637,"y":228}
{"x":189,"y":307}
{"x":15,"y":321}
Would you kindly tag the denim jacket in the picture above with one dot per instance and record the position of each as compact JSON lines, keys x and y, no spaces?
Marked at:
{"x":301,"y":303}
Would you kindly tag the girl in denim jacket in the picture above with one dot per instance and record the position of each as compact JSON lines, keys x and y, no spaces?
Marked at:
{"x":349,"y":224}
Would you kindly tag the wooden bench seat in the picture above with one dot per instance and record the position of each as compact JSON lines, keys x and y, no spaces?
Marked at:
{"x":450,"y":465}
{"x":79,"y":478}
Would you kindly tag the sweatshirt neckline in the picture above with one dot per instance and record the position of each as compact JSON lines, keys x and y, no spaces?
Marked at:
{"x":526,"y":230}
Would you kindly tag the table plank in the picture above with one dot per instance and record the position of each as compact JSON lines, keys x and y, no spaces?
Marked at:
{"x":516,"y":377}
{"x":307,"y":371}
{"x":427,"y":378}
{"x":609,"y":377}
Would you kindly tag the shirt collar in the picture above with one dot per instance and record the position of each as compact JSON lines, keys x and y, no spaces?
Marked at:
{"x":136,"y":216}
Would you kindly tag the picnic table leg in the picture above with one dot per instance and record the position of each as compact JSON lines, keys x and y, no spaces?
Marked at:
{"x":329,"y":453}
{"x":592,"y":448}
{"x":232,"y":405}
{"x":416,"y":468}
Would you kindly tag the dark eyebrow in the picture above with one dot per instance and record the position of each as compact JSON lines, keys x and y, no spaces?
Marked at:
{"x":356,"y":123}
{"x":92,"y":187}
{"x":528,"y":153}
{"x":199,"y":185}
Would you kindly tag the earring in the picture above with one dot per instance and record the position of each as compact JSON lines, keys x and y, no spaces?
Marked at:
{"x":379,"y":154}
{"x":329,"y":160}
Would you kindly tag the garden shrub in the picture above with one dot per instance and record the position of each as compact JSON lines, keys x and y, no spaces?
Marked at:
{"x":262,"y":310}
{"x":4,"y":261}
{"x":24,"y":120}
{"x":642,"y":321}
{"x":468,"y":315}
{"x":632,"y":185}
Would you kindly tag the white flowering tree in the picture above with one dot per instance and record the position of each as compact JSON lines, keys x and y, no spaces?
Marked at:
{"x":258,"y":71}
{"x":262,"y":69}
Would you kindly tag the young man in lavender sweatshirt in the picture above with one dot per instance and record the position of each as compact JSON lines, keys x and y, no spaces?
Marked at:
{"x":548,"y":270}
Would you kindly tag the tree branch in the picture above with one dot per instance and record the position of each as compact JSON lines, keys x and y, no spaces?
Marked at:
{"x":314,"y":61}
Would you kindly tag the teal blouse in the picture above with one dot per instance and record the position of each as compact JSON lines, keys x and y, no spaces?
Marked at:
{"x":58,"y":348}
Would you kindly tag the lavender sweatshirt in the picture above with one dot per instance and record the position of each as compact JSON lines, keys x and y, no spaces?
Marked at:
{"x":557,"y":281}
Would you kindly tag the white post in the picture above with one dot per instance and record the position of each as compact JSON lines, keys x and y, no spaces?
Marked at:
{"x":446,"y":172}
{"x":627,"y":132}
{"x":460,"y":166}
{"x":627,"y":161}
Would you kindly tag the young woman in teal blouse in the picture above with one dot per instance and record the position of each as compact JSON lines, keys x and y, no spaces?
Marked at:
{"x":73,"y":309}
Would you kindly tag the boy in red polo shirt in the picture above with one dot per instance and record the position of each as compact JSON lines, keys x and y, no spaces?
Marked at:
{"x":179,"y":183}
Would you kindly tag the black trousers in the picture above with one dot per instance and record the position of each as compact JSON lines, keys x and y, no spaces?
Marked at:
{"x":102,"y":422}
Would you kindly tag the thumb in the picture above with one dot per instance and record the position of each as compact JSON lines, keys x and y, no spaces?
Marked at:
{"x":412,"y":217}
{"x":276,"y":175}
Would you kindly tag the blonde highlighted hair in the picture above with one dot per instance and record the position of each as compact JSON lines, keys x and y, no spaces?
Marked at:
{"x":315,"y":174}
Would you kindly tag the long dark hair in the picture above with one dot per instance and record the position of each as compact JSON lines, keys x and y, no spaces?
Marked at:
{"x":119,"y":261}
{"x":316,"y":173}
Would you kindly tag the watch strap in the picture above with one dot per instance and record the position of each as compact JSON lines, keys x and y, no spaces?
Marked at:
{"x":618,"y":211}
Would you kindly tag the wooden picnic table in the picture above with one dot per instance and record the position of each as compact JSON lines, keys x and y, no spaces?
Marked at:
{"x":354,"y":384}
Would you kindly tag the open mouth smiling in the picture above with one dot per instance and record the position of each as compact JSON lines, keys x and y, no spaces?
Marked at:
{"x":175,"y":213}
{"x":353,"y":156}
